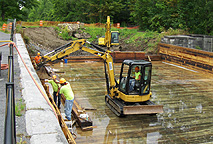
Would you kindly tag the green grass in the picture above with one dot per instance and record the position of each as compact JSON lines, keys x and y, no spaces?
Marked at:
{"x":64,"y":33}
{"x":95,"y":33}
{"x":19,"y":107}
{"x":197,"y":47}
{"x":32,"y":26}
{"x":130,"y":36}
{"x":21,"y":141}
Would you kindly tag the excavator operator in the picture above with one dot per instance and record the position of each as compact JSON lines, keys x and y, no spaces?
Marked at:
{"x":137,"y":78}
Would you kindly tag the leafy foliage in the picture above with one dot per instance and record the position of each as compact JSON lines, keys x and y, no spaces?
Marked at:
{"x":154,"y":15}
{"x":159,"y":15}
{"x":13,"y":8}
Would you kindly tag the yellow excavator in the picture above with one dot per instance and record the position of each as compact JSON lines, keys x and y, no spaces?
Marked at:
{"x":111,"y":37}
{"x":122,"y":98}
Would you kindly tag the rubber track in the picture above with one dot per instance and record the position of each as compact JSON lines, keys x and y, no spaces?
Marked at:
{"x":112,"y":108}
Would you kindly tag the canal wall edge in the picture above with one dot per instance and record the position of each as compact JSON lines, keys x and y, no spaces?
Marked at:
{"x":41,"y":123}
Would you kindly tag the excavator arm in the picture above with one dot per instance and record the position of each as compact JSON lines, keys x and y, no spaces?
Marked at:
{"x":74,"y":46}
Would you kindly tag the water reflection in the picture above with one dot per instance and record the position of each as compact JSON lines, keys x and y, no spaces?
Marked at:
{"x":152,"y":138}
{"x":131,"y":129}
{"x":199,"y":108}
{"x":186,"y":96}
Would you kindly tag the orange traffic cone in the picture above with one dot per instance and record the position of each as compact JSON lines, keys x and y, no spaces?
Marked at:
{"x":41,"y":23}
{"x":4,"y":27}
{"x":118,"y":25}
{"x":10,"y":26}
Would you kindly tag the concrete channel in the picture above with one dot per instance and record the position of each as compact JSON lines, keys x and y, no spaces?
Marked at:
{"x":187,"y":97}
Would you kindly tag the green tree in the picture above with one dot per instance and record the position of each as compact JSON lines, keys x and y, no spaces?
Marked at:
{"x":43,"y":11}
{"x":159,"y":15}
{"x":197,"y":15}
{"x":91,"y":11}
{"x":13,"y":8}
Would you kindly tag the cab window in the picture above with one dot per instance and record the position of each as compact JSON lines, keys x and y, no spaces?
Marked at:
{"x":123,"y":80}
{"x":145,"y":87}
{"x":114,"y":37}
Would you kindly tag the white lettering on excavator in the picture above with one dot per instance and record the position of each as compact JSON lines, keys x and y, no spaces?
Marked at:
{"x":110,"y":66}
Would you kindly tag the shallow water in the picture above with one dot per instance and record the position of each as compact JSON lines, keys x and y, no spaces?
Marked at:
{"x":187,"y":97}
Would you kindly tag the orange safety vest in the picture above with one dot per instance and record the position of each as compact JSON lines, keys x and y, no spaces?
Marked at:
{"x":37,"y":59}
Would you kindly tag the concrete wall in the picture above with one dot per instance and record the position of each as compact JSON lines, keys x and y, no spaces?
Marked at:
{"x":41,"y":123}
{"x":202,"y":42}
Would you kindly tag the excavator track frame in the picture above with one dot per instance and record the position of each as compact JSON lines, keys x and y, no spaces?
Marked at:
{"x":114,"y":106}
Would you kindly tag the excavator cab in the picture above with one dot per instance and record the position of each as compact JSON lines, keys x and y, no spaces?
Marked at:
{"x":128,"y":83}
{"x":114,"y":38}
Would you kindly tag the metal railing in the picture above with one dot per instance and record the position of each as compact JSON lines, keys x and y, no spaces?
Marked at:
{"x":10,"y":128}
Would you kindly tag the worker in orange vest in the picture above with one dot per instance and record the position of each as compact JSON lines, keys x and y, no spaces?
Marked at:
{"x":38,"y":58}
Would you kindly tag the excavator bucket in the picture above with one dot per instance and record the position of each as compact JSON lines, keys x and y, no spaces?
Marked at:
{"x":142,"y":109}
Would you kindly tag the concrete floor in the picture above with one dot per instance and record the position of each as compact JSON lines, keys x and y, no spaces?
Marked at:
{"x":187,"y":97}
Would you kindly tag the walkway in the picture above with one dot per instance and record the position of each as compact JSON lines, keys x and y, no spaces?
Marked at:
{"x":3,"y":80}
{"x":38,"y":123}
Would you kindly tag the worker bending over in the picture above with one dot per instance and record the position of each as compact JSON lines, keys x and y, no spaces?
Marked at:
{"x":137,"y":78}
{"x":66,"y":90}
{"x":56,"y":87}
{"x":38,"y":58}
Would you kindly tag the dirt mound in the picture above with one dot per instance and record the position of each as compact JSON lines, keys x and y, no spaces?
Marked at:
{"x":45,"y":38}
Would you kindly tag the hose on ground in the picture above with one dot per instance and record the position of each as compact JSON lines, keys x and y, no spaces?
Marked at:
{"x":43,"y":94}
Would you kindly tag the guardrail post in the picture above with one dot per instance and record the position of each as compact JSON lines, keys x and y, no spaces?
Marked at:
{"x":10,"y":129}
{"x":12,"y":32}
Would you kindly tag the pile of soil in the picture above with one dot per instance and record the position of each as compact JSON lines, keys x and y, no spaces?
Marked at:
{"x":46,"y":39}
